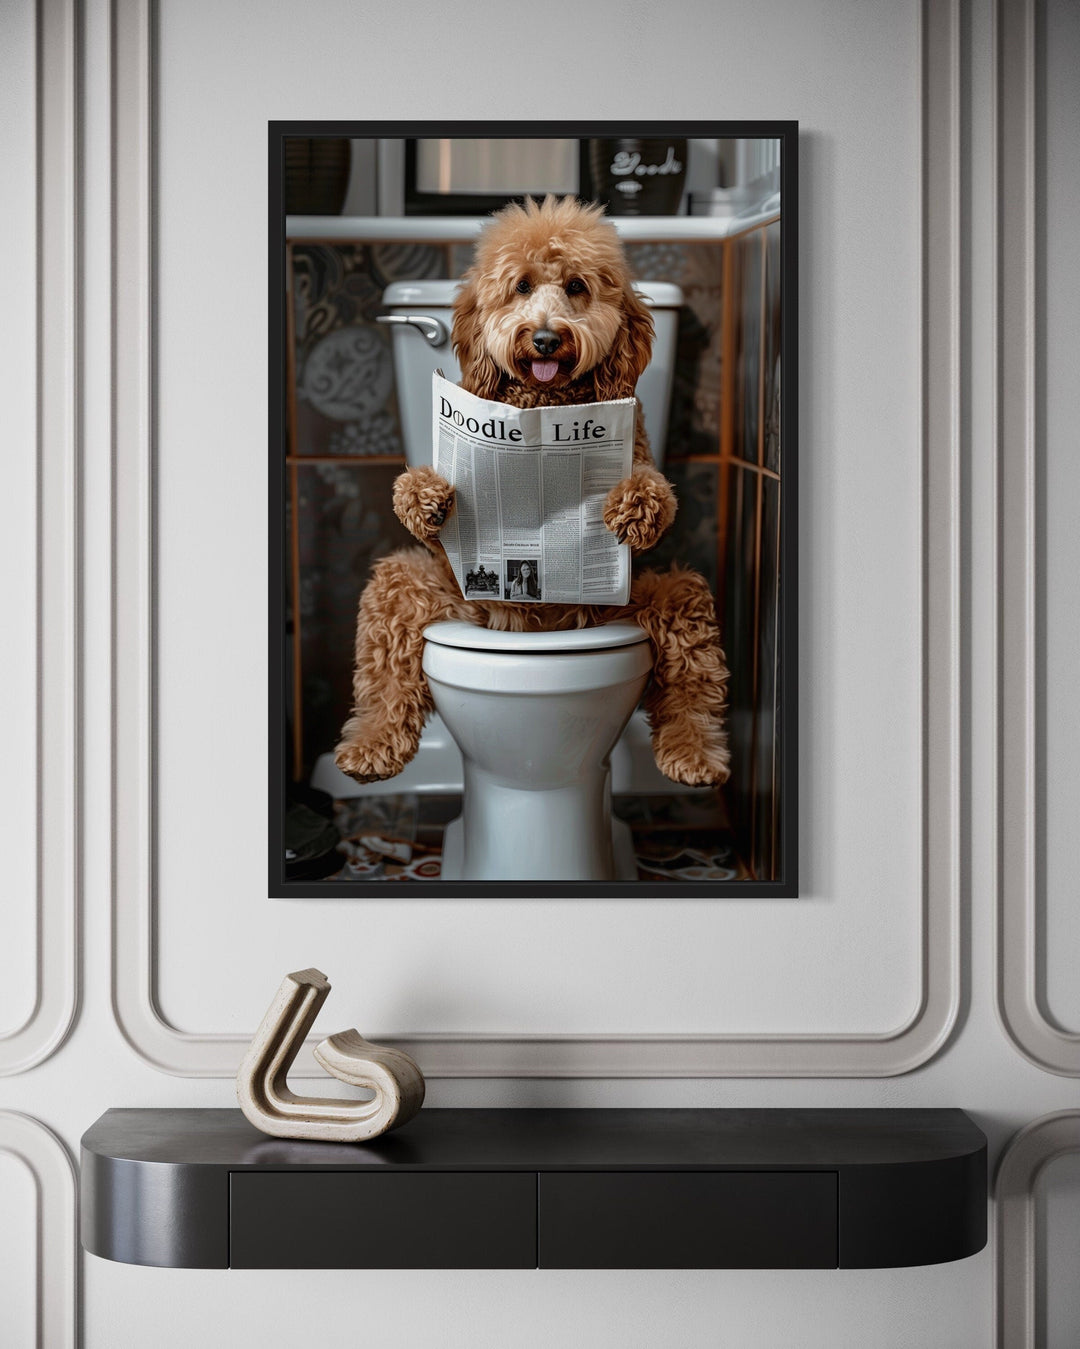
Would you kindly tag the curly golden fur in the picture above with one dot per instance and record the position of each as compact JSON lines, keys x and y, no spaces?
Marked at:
{"x":545,"y":315}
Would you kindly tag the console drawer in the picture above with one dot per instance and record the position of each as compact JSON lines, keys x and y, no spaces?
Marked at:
{"x":405,"y":1220}
{"x":688,"y":1220}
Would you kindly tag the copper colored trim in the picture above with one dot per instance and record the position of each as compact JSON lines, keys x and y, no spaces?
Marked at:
{"x":713,"y":459}
{"x":728,"y":329}
{"x":755,"y":805}
{"x":755,"y":682}
{"x":723,"y":486}
{"x":290,"y":355}
{"x":759,"y":469}
{"x":723,"y":496}
{"x":367,"y":460}
{"x":774,"y":834}
{"x":761,"y":347}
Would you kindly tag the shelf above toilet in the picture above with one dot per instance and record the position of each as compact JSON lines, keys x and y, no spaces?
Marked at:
{"x":635,"y":229}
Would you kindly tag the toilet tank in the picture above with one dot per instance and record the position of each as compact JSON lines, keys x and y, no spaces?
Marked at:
{"x":415,"y":358}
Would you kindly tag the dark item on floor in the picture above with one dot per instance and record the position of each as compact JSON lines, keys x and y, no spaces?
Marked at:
{"x":311,"y":842}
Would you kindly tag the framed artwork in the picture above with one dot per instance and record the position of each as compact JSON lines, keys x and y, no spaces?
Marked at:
{"x":517,"y":783}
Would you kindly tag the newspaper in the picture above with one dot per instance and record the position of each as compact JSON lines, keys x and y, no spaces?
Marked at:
{"x":531,"y":482}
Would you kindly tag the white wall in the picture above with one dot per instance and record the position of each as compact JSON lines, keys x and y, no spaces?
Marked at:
{"x":847,"y":959}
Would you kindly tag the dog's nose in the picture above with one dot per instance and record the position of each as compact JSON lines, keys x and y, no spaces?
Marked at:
{"x":546,"y":342}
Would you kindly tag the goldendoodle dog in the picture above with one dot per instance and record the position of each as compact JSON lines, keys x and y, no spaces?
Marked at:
{"x":545,"y":315}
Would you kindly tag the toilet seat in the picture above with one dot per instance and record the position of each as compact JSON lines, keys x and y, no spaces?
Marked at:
{"x":467,"y":635}
{"x":465,"y":656}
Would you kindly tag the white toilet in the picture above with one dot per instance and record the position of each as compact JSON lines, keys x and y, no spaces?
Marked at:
{"x":535,"y":716}
{"x":512,"y":707}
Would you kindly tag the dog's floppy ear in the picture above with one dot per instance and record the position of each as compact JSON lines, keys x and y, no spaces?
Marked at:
{"x":479,"y":373}
{"x":618,"y":372}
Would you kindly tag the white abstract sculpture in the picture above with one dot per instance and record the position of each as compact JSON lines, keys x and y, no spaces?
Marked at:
{"x":271,"y":1106}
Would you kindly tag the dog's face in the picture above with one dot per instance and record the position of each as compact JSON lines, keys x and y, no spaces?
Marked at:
{"x":548,"y":304}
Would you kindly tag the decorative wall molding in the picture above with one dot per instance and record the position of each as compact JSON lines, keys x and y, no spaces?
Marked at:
{"x":57,"y":518}
{"x":57,"y":1226}
{"x":1021,"y":905}
{"x":1026,"y":1156}
{"x":458,"y":1055}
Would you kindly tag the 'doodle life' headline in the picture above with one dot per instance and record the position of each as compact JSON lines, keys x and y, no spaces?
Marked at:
{"x":495,"y":428}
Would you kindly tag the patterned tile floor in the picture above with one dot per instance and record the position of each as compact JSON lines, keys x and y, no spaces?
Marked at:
{"x":676,"y":838}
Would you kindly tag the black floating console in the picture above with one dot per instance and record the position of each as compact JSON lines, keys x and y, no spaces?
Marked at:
{"x":558,"y":1189}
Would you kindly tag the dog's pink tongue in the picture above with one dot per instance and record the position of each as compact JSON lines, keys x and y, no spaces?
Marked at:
{"x":545,"y":370}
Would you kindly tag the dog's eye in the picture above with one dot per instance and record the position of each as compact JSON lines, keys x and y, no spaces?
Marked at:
{"x":576,"y":286}
{"x":523,"y":286}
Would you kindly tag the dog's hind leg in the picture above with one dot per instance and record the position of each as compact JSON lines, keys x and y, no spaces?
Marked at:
{"x":685,"y":702}
{"x":391,"y":699}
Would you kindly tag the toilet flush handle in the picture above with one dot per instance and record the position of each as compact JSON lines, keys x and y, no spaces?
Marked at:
{"x":433,"y":329}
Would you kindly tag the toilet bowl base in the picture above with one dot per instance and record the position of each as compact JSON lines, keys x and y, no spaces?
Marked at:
{"x":622,"y":844}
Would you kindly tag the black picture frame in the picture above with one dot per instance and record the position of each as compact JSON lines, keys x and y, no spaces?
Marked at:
{"x":785,"y":883}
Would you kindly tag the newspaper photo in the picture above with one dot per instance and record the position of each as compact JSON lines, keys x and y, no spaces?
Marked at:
{"x":530,"y":487}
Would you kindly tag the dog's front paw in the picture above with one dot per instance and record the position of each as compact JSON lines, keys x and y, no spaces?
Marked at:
{"x":639,"y":509}
{"x":422,"y":502}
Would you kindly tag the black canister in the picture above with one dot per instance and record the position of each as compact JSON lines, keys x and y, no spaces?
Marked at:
{"x":638,"y":177}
